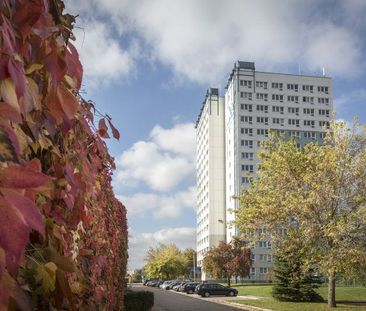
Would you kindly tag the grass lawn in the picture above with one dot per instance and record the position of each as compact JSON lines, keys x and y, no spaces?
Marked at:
{"x":347,"y":298}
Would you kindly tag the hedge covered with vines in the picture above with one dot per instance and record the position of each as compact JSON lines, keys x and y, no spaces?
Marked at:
{"x":63,"y":234}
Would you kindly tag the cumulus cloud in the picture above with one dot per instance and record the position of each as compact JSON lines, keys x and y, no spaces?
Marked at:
{"x":200,"y":40}
{"x":163,"y":162}
{"x":160,"y":206}
{"x":139,"y":243}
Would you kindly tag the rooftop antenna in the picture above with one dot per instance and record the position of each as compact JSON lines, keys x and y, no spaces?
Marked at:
{"x":323,"y":72}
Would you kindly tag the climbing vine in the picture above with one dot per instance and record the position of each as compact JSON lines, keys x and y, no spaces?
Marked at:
{"x":63,"y":234}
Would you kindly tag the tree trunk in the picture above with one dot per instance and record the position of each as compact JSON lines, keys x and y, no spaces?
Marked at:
{"x":228,"y":281}
{"x":331,"y":289}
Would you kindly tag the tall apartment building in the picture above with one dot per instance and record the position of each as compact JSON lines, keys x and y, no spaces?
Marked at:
{"x":211,"y":211}
{"x":255,"y":103}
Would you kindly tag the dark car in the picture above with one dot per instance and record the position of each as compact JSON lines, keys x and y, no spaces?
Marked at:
{"x":208,"y":289}
{"x":189,"y":287}
{"x":171,"y":285}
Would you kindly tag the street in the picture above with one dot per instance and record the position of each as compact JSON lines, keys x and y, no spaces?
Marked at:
{"x":165,"y":300}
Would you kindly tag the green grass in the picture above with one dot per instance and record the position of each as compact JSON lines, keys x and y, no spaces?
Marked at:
{"x":347,"y":298}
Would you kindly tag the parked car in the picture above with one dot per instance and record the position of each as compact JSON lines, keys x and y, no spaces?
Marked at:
{"x":166,"y":283}
{"x":159,"y":283}
{"x":144,"y":283}
{"x":170,"y":286}
{"x":208,"y":289}
{"x":177,"y":285}
{"x":151,"y":283}
{"x":189,"y":287}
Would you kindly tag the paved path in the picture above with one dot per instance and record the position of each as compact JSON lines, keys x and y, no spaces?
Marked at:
{"x":172,"y":301}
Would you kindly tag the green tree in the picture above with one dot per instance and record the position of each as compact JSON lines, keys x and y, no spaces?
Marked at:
{"x":321,"y":191}
{"x":165,"y":262}
{"x":294,"y":280}
{"x":227,"y":260}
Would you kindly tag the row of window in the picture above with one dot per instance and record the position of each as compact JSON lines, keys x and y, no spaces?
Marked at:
{"x":281,"y":109}
{"x":280,"y":98}
{"x":279,"y":86}
{"x":279,"y":121}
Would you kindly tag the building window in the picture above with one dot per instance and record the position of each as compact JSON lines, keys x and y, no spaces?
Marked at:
{"x":261,"y":84}
{"x":278,"y":109}
{"x":247,"y":107}
{"x":309,"y":111}
{"x":308,"y":88}
{"x":247,"y":131}
{"x":262,"y":96}
{"x":247,"y":143}
{"x":247,"y":155}
{"x":279,"y":121}
{"x":324,"y":112}
{"x":263,"y":270}
{"x":246,"y":95}
{"x":294,"y":122}
{"x":247,"y":168}
{"x":247,"y":119}
{"x":323,"y":89}
{"x":277,"y":97}
{"x":293,"y":110}
{"x":263,"y":120}
{"x":308,"y":99}
{"x":322,"y":100}
{"x":309,"y":123}
{"x":324,"y":124}
{"x":262,"y":132}
{"x":293,"y":98}
{"x":245,"y":180}
{"x":263,"y":108}
{"x":276,"y":85}
{"x":293,"y":87}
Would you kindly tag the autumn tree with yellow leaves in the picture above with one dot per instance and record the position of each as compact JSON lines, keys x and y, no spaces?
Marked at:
{"x":319,"y":190}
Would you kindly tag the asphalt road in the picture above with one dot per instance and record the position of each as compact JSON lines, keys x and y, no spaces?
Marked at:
{"x":165,"y":300}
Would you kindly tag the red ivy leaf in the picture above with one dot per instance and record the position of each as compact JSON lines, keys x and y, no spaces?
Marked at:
{"x":103,"y":129}
{"x":68,"y":101}
{"x":13,"y":235}
{"x":74,"y":67}
{"x":114,"y":130}
{"x":17,"y":74}
{"x":9,"y":113}
{"x":27,"y":209}
{"x":16,"y":176}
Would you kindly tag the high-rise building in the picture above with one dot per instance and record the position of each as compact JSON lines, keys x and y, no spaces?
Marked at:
{"x":256,"y":103}
{"x":210,"y":174}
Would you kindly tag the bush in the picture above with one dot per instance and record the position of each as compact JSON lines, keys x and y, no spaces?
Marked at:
{"x":139,"y":301}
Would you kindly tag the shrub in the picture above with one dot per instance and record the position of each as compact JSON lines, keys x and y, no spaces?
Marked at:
{"x":139,"y":301}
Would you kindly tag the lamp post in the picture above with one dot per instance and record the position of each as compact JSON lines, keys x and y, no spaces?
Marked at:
{"x":194,"y":266}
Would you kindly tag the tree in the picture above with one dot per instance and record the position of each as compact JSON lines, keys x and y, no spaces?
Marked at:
{"x":165,"y":262}
{"x":321,"y":191}
{"x":190,"y":259}
{"x":227,"y":260}
{"x":294,"y":280}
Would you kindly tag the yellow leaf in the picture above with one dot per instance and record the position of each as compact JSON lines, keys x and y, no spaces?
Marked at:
{"x":46,"y":275}
{"x":7,"y":92}
{"x":70,"y":81}
{"x":32,"y":68}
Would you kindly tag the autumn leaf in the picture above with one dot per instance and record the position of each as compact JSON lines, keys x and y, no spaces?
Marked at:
{"x":28,"y":211}
{"x":7,"y":92}
{"x":114,"y":130}
{"x":16,"y":176}
{"x":46,"y":275}
{"x":68,"y":101}
{"x":13,"y":235}
{"x":7,"y":152}
{"x":102,"y":128}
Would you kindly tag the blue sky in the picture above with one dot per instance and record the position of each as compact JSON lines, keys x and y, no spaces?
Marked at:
{"x":148,"y":63}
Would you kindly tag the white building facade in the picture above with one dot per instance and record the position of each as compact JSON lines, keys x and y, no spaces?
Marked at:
{"x":211,"y":210}
{"x":255,"y":104}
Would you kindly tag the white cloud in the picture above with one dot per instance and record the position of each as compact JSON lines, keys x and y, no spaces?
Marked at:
{"x":139,"y":243}
{"x":162,"y":163}
{"x":160,"y":206}
{"x":179,"y":139}
{"x":200,"y":40}
{"x":101,"y":54}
